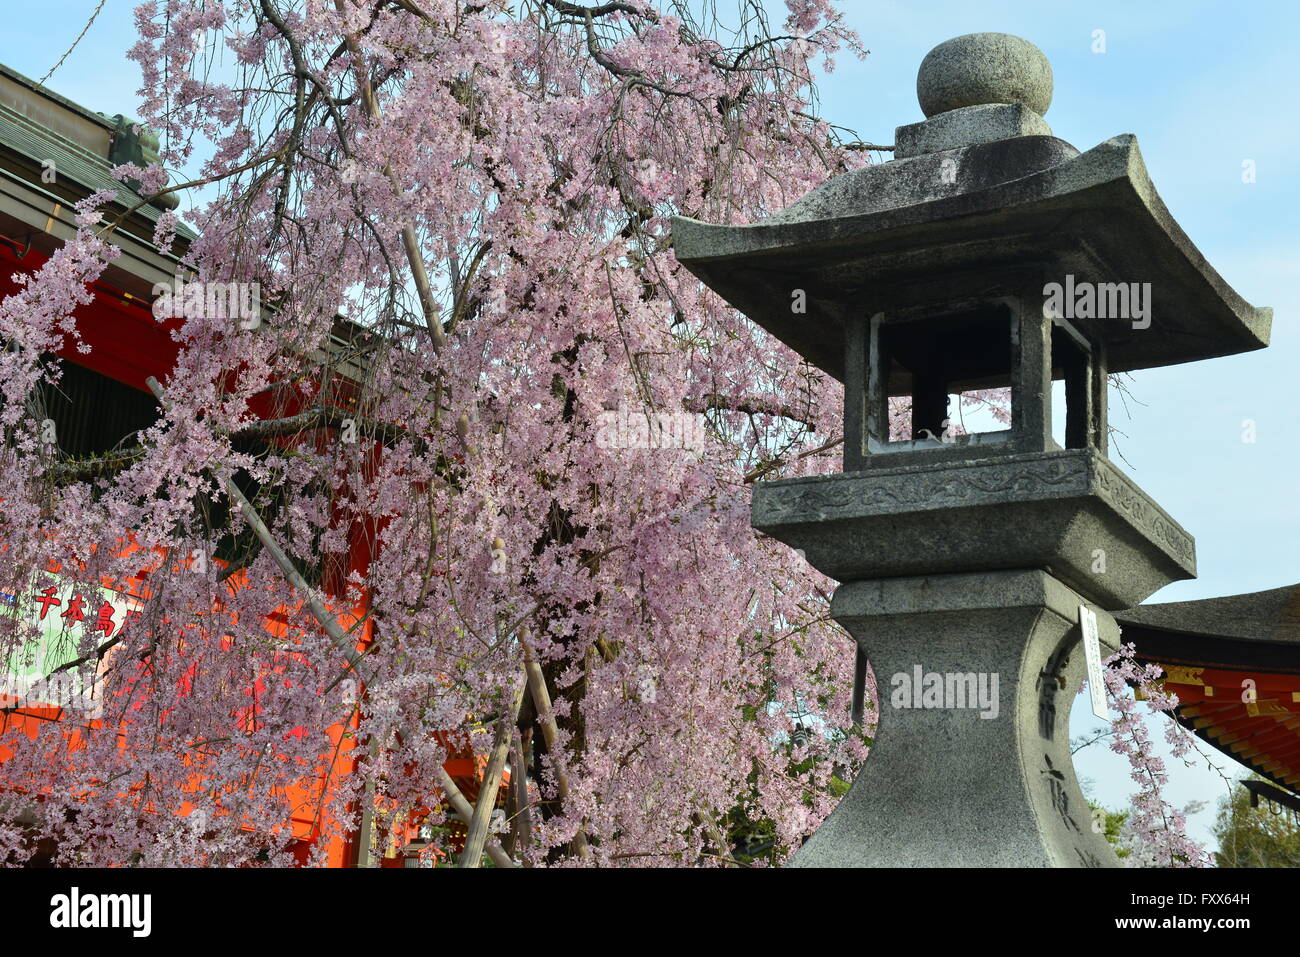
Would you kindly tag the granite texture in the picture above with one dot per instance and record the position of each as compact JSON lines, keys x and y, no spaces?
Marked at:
{"x":944,"y":787}
{"x":968,"y":126}
{"x":984,"y":68}
{"x":1050,"y":510}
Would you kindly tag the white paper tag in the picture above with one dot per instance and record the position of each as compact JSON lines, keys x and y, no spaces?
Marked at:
{"x":1092,"y":652}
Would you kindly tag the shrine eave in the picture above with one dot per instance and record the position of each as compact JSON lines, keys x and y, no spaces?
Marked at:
{"x":1234,"y":663}
{"x":1244,"y":627}
{"x":1095,"y":217}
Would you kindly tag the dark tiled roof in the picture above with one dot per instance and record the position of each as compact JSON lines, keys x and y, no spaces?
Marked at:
{"x":25,"y":145}
{"x":1261,"y":617}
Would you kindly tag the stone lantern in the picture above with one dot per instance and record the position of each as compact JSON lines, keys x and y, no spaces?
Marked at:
{"x":986,"y":254}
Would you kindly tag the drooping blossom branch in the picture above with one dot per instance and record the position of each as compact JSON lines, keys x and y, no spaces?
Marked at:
{"x":1158,"y":828}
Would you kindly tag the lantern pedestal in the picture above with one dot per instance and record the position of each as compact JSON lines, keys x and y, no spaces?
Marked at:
{"x":976,"y":570}
{"x":970,"y":766}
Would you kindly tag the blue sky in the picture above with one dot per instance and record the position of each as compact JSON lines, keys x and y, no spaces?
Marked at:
{"x":1204,"y":86}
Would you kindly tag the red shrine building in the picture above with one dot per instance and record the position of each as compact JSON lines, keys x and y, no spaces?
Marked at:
{"x":54,"y":153}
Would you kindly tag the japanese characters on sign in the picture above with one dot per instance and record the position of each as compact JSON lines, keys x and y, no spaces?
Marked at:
{"x":63,"y":613}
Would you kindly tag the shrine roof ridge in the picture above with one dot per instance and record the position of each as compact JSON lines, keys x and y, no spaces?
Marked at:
{"x":1264,"y":617}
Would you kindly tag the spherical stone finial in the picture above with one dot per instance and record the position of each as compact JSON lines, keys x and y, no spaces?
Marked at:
{"x":983,"y":68}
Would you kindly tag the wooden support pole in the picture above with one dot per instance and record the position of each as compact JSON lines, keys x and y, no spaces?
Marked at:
{"x":551,"y":735}
{"x":465,"y":811}
{"x":487,"y":795}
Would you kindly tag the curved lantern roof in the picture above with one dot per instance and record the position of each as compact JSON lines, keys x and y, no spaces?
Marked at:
{"x":982,"y":189}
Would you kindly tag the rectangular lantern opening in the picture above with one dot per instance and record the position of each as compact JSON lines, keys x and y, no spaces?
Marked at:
{"x":936,"y":361}
{"x":1071,"y":367}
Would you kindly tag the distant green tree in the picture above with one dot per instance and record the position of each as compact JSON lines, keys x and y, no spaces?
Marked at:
{"x":1264,"y":836}
{"x":1113,"y":825}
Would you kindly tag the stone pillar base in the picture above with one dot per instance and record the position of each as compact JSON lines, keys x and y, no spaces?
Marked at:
{"x":969,"y":783}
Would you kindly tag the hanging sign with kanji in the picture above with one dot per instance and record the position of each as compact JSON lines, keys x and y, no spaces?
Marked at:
{"x":75,"y":625}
